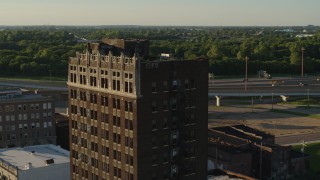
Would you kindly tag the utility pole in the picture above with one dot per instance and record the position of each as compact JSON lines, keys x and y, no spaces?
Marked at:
{"x":261,"y":160}
{"x":308,"y":90}
{"x":50,"y":74}
{"x":251,"y":104}
{"x":302,"y":49}
{"x":304,"y":145}
{"x":217,"y":151}
{"x":246,"y":75}
{"x":272,"y":102}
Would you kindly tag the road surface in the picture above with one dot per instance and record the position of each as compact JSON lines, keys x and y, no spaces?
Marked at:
{"x":296,"y":139}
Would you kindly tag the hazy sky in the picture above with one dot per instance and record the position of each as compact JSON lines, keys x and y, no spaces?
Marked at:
{"x":160,"y":12}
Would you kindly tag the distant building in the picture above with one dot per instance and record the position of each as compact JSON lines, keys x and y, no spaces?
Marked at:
{"x":135,"y":119}
{"x":26,"y":118}
{"x":165,"y":56}
{"x":47,"y":162}
{"x":251,"y":152}
{"x":304,"y":35}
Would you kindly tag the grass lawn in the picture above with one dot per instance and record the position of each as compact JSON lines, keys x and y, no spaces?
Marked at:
{"x":313,"y":149}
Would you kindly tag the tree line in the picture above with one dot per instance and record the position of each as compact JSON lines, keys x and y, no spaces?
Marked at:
{"x":34,"y":51}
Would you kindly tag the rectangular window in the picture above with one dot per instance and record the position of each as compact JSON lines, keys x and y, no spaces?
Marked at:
{"x":104,"y":83}
{"x":105,"y":134}
{"x":104,"y":117}
{"x":128,"y":106}
{"x":192,"y":83}
{"x":165,"y":86}
{"x":186,"y":83}
{"x":154,"y":124}
{"x":154,"y":106}
{"x":165,"y":104}
{"x":165,"y":123}
{"x":116,"y":103}
{"x":154,"y":87}
{"x":130,"y":87}
{"x":116,"y":121}
{"x":83,"y":96}
{"x":104,"y":100}
{"x":93,"y":98}
{"x":128,"y":124}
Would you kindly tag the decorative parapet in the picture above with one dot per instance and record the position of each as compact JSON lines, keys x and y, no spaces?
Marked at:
{"x":97,"y":60}
{"x":121,"y":73}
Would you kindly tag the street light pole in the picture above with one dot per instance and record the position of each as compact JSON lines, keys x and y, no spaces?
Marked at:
{"x":302,"y":49}
{"x":50,"y":74}
{"x":308,"y":90}
{"x":272,"y":102}
{"x":246,"y":75}
{"x":251,"y":104}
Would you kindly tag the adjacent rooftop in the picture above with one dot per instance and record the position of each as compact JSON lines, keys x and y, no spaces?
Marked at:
{"x":34,"y":156}
{"x":18,"y":95}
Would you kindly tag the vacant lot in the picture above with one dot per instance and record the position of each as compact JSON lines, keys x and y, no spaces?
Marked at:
{"x":284,"y":119}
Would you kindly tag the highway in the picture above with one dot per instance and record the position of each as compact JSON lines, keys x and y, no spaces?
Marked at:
{"x":267,"y":86}
{"x":227,"y":86}
{"x":254,"y":85}
{"x":34,"y":84}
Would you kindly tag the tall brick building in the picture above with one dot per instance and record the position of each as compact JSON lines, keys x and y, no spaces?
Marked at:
{"x":131,"y":118}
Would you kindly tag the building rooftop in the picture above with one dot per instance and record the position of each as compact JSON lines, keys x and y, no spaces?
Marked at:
{"x":244,"y":132}
{"x":18,"y":95}
{"x":34,"y":156}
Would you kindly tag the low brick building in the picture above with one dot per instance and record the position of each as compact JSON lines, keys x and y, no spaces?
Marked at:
{"x":251,"y":152}
{"x":26,"y":118}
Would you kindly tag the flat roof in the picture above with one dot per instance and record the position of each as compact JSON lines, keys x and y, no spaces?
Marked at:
{"x":6,"y":96}
{"x":37,"y":155}
{"x":242,"y":131}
